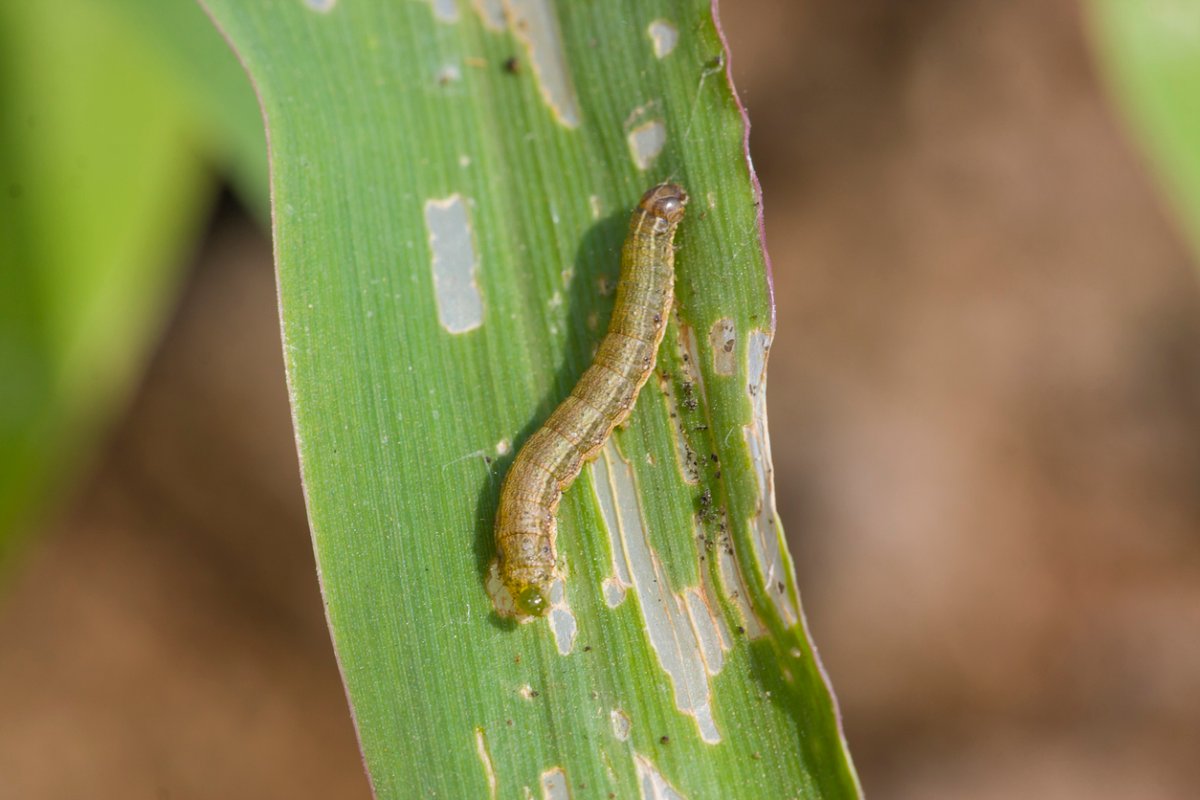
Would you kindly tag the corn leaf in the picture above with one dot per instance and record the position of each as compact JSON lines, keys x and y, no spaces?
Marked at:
{"x":451,"y":185}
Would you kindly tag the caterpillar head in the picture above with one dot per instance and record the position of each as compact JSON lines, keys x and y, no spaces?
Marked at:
{"x":665,"y":201}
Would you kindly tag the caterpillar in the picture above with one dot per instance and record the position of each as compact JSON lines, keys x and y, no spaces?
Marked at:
{"x":551,"y":458}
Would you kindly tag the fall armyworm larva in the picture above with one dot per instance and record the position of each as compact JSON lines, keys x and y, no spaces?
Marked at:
{"x":552,"y":457}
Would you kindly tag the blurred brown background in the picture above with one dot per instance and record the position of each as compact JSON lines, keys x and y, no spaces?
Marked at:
{"x":985,"y":403}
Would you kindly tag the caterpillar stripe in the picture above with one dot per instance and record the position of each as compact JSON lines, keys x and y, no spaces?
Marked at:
{"x":552,"y":457}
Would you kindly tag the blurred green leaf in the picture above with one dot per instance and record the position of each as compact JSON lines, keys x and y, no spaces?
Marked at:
{"x":408,"y":136}
{"x":1150,"y":51}
{"x":103,"y":188}
{"x":223,"y":111}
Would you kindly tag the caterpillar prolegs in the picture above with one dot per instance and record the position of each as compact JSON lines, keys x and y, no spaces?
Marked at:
{"x":552,"y":457}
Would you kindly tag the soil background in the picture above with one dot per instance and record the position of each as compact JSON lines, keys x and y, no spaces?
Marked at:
{"x":985,"y":406}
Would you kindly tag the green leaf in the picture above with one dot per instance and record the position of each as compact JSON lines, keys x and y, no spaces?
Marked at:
{"x":111,"y":116}
{"x":410,"y":138}
{"x":99,"y":186}
{"x":225,"y":120}
{"x":1150,"y":50}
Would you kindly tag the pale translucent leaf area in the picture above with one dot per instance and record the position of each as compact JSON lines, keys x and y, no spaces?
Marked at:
{"x":451,"y":185}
